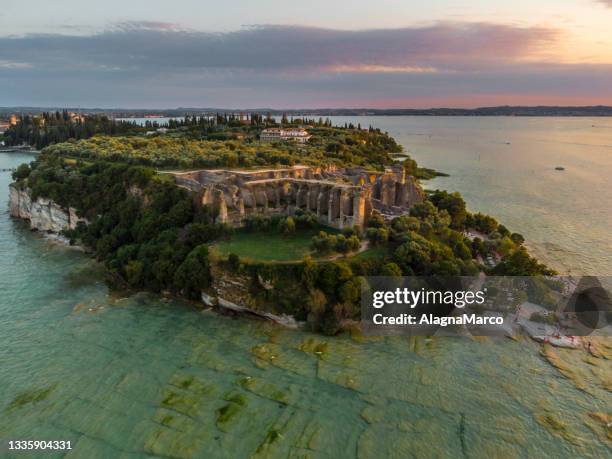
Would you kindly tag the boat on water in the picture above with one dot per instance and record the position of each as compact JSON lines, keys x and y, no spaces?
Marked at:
{"x":559,"y":168}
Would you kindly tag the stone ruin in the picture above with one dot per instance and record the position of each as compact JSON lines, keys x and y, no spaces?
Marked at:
{"x":340,"y":197}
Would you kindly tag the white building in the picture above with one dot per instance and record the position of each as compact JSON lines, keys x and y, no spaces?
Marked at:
{"x":299,"y":135}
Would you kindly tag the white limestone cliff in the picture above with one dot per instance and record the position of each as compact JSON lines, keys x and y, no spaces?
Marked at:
{"x":43,"y":214}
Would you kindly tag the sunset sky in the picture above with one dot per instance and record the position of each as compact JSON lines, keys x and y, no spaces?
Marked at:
{"x":246,"y":54}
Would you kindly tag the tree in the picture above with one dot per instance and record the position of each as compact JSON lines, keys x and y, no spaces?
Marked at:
{"x":376,"y":221}
{"x":329,"y":323}
{"x":350,"y":291}
{"x":234,"y":261}
{"x":423,"y":210}
{"x":353,"y":243}
{"x":323,"y":243}
{"x":341,"y":244}
{"x":133,"y":273}
{"x":193,"y":274}
{"x":22,"y":172}
{"x":483,"y":223}
{"x":201,"y":233}
{"x":517,"y":238}
{"x":478,"y":247}
{"x":454,"y":204}
{"x":505,"y":246}
{"x":287,"y":225}
{"x":377,"y":235}
{"x":332,"y":275}
{"x":520,"y":263}
{"x":462,"y":251}
{"x":317,"y":301}
{"x":335,"y":147}
{"x":391,"y":270}
{"x":405,"y":224}
{"x":414,"y":256}
{"x":351,"y":231}
{"x":105,"y":246}
{"x":309,"y":273}
{"x":503,"y":231}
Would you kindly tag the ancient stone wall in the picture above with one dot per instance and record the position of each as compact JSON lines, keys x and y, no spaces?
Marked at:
{"x":338,"y":197}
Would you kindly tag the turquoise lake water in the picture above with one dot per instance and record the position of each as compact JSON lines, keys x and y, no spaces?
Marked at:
{"x":146,"y":376}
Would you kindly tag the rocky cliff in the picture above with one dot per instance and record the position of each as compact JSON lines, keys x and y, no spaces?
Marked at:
{"x":43,"y":214}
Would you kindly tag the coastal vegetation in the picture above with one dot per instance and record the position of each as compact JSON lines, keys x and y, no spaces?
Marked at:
{"x":223,"y":140}
{"x":148,"y":232}
{"x":327,"y":146}
{"x":152,"y":234}
{"x":49,"y":128}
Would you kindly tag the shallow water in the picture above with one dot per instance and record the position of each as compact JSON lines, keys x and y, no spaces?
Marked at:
{"x":149,"y":377}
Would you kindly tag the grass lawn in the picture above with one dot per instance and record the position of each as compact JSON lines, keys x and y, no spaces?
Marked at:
{"x":267,"y":247}
{"x":372,"y":252}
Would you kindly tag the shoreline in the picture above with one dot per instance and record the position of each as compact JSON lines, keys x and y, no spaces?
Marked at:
{"x":216,"y":303}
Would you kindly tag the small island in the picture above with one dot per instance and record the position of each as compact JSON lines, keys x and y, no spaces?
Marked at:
{"x":278,"y":218}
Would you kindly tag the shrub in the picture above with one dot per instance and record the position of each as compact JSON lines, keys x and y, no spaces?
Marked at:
{"x":233,"y":261}
{"x":22,"y":172}
{"x":193,"y":274}
{"x":287,"y":225}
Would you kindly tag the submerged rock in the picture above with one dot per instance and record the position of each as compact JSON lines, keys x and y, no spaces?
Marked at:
{"x":283,"y":319}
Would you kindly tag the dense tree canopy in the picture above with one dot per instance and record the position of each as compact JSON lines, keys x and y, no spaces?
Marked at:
{"x":361,"y":148}
{"x":152,"y":235}
{"x":149,"y":232}
{"x":50,"y":128}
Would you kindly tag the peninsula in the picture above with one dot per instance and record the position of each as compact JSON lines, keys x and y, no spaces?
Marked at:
{"x":284,"y":225}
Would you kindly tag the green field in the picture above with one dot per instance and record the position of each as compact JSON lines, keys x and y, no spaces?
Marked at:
{"x":372,"y":252}
{"x":267,"y":247}
{"x":275,"y":247}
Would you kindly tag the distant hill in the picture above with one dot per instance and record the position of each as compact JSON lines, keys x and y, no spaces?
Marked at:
{"x":596,"y":110}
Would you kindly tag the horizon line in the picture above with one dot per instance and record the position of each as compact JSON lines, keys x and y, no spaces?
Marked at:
{"x":303,"y":109}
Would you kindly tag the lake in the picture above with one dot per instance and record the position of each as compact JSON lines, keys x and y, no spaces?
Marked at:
{"x":147,"y":376}
{"x":505,"y":167}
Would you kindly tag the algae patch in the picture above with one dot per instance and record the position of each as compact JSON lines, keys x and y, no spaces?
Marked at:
{"x":557,"y":428}
{"x":228,"y":412}
{"x":264,"y":354}
{"x":30,"y":397}
{"x":601,"y":424}
{"x":314,"y":346}
{"x":272,"y":437}
{"x":265,"y":390}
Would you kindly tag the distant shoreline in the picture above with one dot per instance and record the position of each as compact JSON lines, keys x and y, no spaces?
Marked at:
{"x":513,"y":111}
{"x":18,"y":150}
